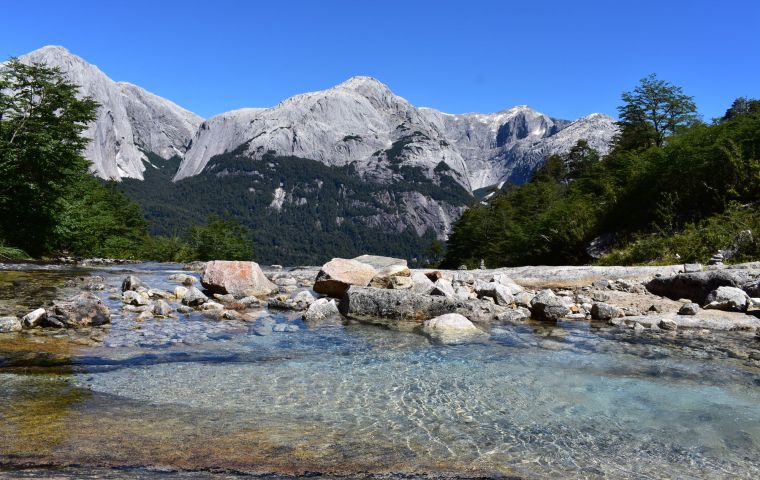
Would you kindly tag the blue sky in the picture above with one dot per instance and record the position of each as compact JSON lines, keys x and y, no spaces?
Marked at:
{"x":564,"y":58}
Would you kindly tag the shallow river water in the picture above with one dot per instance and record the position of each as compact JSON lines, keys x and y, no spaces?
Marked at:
{"x":193,"y":397}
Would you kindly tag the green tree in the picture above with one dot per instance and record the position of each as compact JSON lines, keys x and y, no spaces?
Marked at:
{"x":220,"y":239}
{"x":741,"y":106}
{"x":650,"y":113}
{"x":41,"y":144}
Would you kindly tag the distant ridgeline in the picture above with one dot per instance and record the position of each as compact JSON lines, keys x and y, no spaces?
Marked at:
{"x":300,"y":211}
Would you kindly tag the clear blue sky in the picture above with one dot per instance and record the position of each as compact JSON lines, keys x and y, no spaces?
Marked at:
{"x":565,"y":58}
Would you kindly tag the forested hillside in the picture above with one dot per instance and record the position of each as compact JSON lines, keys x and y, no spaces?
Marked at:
{"x":299,"y":210}
{"x":672,"y":189}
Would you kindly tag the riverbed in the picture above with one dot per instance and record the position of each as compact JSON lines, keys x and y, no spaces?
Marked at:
{"x":198,"y":397}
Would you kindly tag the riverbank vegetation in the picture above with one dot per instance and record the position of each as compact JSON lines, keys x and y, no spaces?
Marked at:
{"x":672,"y":189}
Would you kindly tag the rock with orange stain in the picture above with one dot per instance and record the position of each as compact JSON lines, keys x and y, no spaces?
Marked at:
{"x":336,"y":276}
{"x":237,"y":278}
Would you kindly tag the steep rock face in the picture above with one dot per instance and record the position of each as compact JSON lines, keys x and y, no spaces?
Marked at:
{"x":359,"y":121}
{"x":130,"y":120}
{"x":510,"y":145}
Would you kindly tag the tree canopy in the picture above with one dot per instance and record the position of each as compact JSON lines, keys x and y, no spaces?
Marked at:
{"x":651,"y":112}
{"x":671,"y":189}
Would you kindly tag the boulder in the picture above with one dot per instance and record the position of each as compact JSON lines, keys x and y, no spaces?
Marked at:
{"x":547,"y":306}
{"x":405,"y":307}
{"x":667,"y":324}
{"x":34,"y":318}
{"x":183,"y":278}
{"x":194,"y":297}
{"x":752,"y":288}
{"x":320,"y":310}
{"x":179,"y":292}
{"x":83,"y":310}
{"x":518,"y":315}
{"x":689,"y":308}
{"x":400,"y":283}
{"x":727,"y":298}
{"x":131,"y":282}
{"x":462,"y":293}
{"x":236,"y":278}
{"x":304,"y":298}
{"x":505,"y":280}
{"x":523,"y":299}
{"x":336,"y":276}
{"x":696,"y":286}
{"x":605,"y":311}
{"x":162,"y":309}
{"x":421,"y":283}
{"x":10,"y":324}
{"x":214,"y":306}
{"x":452,"y":328}
{"x":443,"y":288}
{"x":387,"y":269}
{"x":500,"y":293}
{"x":130,"y":297}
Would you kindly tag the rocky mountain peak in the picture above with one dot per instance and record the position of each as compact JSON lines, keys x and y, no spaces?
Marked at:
{"x":131,"y":121}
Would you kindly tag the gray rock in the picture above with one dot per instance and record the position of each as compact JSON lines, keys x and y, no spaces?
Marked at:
{"x":523,"y":299}
{"x":443,"y":288}
{"x":320,"y":310}
{"x":605,"y":311}
{"x":397,"y":307}
{"x":500,"y":293}
{"x":131,"y":282}
{"x":452,"y":328}
{"x":304,"y":298}
{"x":263,"y":330}
{"x":421,"y":283}
{"x":10,"y":324}
{"x":696,"y":286}
{"x":727,"y":298}
{"x":518,"y":315}
{"x":667,"y":324}
{"x":462,"y":293}
{"x":83,"y":310}
{"x":194,"y":297}
{"x":157,"y":293}
{"x":690,"y":308}
{"x":34,"y":318}
{"x":130,"y":297}
{"x":225,"y":298}
{"x":692,"y":267}
{"x":162,"y":309}
{"x":184,"y":309}
{"x":505,"y":280}
{"x":548,"y":307}
{"x":183,"y":278}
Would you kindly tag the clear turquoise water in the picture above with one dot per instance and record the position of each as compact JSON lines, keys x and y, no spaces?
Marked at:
{"x":535,"y":401}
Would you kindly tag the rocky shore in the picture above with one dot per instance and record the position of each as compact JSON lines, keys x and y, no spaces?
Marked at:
{"x":447,"y":306}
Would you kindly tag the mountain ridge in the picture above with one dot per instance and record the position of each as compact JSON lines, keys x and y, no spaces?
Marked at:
{"x":349,"y":122}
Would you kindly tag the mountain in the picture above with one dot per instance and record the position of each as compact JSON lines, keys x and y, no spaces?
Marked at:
{"x":343,"y":171}
{"x":361,"y":122}
{"x":131,"y":122}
